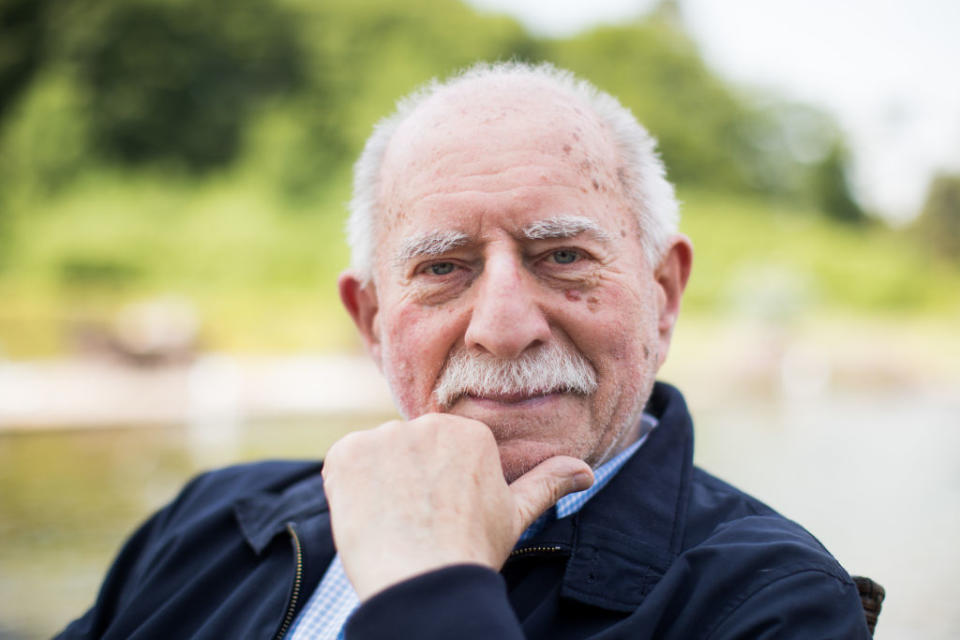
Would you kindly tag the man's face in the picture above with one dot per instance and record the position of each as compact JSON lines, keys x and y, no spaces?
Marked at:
{"x":505,"y":234}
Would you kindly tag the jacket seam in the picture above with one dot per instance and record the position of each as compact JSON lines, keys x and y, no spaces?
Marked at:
{"x":683,"y":493}
{"x":732,"y":608}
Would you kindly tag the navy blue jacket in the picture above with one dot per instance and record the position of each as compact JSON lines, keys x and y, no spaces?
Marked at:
{"x":664,"y":551}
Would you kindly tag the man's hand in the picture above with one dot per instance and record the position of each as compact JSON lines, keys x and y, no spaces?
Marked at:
{"x":409,"y":497}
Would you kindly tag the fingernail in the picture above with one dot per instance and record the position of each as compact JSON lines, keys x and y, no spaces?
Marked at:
{"x":582,"y":480}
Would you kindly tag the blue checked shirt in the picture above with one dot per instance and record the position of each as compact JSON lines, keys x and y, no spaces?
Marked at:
{"x":334,"y":599}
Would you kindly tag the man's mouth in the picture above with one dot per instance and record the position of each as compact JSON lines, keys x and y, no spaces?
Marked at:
{"x":517,"y":398}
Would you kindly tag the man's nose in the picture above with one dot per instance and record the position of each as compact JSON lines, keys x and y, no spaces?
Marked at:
{"x":506,"y":318}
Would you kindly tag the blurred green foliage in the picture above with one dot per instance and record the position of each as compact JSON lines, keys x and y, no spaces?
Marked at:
{"x":178,"y":81}
{"x":833,"y":190}
{"x":939,"y":222}
{"x":204,"y":147}
{"x":779,"y":260}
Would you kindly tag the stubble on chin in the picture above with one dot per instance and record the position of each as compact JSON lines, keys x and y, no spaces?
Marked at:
{"x":515,"y":462}
{"x":521,"y":453}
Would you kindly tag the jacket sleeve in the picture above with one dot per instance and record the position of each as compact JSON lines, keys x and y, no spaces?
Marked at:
{"x":466,"y":602}
{"x":760,"y":577}
{"x":805,"y":604}
{"x":126,"y":568}
{"x":130,"y":566}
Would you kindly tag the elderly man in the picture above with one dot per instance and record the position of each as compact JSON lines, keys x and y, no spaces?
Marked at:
{"x":517,"y":276}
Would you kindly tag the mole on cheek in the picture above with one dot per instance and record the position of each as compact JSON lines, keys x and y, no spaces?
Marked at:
{"x":572,"y":295}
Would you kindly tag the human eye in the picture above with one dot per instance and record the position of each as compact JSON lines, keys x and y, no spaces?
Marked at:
{"x":440,"y":268}
{"x":564,"y":262}
{"x":564,"y":256}
{"x":438,"y":281}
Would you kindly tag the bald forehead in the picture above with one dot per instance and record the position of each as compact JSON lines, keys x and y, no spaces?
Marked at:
{"x":498,"y":113}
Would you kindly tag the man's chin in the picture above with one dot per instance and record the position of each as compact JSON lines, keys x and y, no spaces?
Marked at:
{"x":517,"y":457}
{"x":526,"y":429}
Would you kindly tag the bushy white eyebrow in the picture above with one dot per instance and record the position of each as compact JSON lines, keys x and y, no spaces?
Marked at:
{"x":430,"y":243}
{"x":564,"y":227}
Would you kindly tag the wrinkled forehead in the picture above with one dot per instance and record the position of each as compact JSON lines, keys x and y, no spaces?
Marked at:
{"x":494,"y":117}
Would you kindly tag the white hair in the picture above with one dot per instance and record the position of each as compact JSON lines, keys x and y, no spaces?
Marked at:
{"x":552,"y":368}
{"x":641,"y":172}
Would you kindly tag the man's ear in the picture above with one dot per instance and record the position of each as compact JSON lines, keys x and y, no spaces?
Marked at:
{"x":360,"y":300}
{"x":671,"y":275}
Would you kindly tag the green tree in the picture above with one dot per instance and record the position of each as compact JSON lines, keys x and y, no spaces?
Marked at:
{"x":831,"y":188}
{"x":177,"y":81}
{"x":22,"y":34}
{"x":710,"y":135}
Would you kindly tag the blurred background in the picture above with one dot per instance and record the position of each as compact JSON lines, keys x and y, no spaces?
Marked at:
{"x":173,"y":176}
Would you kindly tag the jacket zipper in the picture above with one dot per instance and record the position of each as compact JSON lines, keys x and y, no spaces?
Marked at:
{"x":297,"y":579}
{"x":539,"y":549}
{"x":298,"y":576}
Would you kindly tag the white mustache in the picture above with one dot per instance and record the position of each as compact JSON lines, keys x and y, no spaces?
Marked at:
{"x":553,"y":368}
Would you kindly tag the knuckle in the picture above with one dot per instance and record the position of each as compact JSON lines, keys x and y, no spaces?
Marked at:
{"x":430,"y":421}
{"x":431,"y":426}
{"x":343,"y":449}
{"x":387,"y":429}
{"x":479,"y":433}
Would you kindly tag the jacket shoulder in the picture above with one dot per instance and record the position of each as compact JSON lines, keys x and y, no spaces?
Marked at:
{"x":237,"y":481}
{"x":149,"y":568}
{"x":757,"y":569}
{"x":221,"y":488}
{"x":720,"y":513}
{"x":714,"y":503}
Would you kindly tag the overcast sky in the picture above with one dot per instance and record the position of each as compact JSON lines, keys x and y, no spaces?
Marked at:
{"x":889,"y":70}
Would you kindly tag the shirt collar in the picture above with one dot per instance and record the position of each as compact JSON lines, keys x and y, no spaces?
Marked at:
{"x":573,"y":502}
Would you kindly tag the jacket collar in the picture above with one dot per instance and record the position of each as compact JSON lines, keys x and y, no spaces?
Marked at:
{"x":625,"y":538}
{"x":263,"y":515}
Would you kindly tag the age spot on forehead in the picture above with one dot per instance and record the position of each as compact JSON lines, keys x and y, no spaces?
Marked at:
{"x":394,"y":216}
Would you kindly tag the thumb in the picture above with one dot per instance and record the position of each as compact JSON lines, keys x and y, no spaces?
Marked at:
{"x":539,"y":489}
